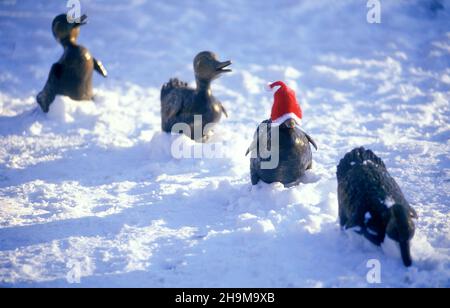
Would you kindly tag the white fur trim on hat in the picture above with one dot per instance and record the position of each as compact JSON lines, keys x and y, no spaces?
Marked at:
{"x":285,"y":117}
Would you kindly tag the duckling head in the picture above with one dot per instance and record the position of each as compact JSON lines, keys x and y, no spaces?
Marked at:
{"x":207,"y":67}
{"x":66,"y":29}
{"x":401,"y":229}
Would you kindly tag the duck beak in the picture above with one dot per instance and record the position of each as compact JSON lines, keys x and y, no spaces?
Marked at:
{"x":221,"y":67}
{"x":81,"y":21}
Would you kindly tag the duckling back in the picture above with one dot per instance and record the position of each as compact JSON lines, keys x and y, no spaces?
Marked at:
{"x":294,"y":157}
{"x":363,"y":185}
{"x":77,"y":67}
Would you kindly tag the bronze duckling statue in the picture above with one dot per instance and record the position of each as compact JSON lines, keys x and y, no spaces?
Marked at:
{"x":281,"y":150}
{"x":72,"y":74}
{"x":195,"y":109}
{"x":369,"y":198}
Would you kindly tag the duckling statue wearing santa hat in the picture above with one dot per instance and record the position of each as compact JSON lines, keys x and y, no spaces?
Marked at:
{"x":281,"y":151}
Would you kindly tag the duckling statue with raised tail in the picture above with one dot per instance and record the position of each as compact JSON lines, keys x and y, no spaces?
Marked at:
{"x":281,"y":151}
{"x":72,"y":74}
{"x":195,"y":109}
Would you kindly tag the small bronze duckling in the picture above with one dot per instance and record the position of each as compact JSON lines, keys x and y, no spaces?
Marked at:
{"x":185,"y":105}
{"x":72,"y":74}
{"x":286,"y":156}
{"x":369,"y":198}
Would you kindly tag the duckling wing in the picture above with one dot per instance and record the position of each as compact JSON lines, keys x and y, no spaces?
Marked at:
{"x":173,"y":96}
{"x":224,"y":110}
{"x":173,"y":104}
{"x":310,"y":139}
{"x":261,"y":132}
{"x":98,"y":66}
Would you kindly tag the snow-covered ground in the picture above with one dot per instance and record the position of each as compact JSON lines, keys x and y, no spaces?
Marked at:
{"x":91,"y":196}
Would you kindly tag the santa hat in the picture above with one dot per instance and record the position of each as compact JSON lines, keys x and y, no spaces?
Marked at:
{"x":285,"y":105}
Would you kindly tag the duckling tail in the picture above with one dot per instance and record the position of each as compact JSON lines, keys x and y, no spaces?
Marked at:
{"x":171,"y":85}
{"x":357,"y":156}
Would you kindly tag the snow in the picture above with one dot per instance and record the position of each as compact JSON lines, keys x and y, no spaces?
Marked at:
{"x":90,"y":195}
{"x":389,"y":202}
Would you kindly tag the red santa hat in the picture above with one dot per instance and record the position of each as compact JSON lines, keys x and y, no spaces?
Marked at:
{"x":285,"y":105}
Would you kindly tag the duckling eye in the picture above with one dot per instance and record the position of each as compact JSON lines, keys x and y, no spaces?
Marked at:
{"x":199,"y":64}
